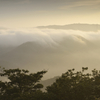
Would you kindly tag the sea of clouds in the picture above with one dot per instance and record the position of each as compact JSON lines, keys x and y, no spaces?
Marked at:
{"x":44,"y":36}
{"x":75,"y":56}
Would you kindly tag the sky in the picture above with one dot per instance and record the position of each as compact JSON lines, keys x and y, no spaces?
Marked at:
{"x":32,"y":13}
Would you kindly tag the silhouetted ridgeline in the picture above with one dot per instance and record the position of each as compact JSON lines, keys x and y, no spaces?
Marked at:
{"x":81,"y":27}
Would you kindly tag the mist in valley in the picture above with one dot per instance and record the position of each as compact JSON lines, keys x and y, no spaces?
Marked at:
{"x":53,"y":50}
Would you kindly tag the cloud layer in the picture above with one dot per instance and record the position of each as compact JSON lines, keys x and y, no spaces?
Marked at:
{"x":74,"y":49}
{"x":43,"y":36}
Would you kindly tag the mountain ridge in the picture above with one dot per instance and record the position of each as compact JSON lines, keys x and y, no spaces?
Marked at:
{"x":76,"y":26}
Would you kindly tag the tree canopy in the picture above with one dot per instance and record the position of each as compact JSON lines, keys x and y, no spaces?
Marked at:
{"x":21,"y":84}
{"x":76,"y":86}
{"x":72,"y":85}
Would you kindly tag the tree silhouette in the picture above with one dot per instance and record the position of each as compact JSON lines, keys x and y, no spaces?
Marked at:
{"x":21,"y":84}
{"x":76,"y":86}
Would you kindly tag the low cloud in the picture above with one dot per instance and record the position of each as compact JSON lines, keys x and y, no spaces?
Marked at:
{"x":74,"y":49}
{"x":43,"y":36}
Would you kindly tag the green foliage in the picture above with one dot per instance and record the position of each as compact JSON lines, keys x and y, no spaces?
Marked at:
{"x":76,"y":86}
{"x":21,"y":84}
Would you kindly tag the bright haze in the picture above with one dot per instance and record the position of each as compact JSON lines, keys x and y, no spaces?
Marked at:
{"x":52,"y":35}
{"x":29,"y":13}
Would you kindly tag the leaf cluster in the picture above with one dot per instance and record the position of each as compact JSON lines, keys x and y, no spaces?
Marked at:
{"x":21,"y":84}
{"x":76,"y":86}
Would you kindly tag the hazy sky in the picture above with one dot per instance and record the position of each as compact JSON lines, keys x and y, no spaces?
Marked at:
{"x":30,"y":13}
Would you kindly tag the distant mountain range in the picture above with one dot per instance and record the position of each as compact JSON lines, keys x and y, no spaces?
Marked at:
{"x":81,"y":27}
{"x":48,"y":82}
{"x":71,"y":51}
{"x":54,"y":58}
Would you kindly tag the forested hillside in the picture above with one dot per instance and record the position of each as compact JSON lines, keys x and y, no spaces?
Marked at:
{"x":71,"y":85}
